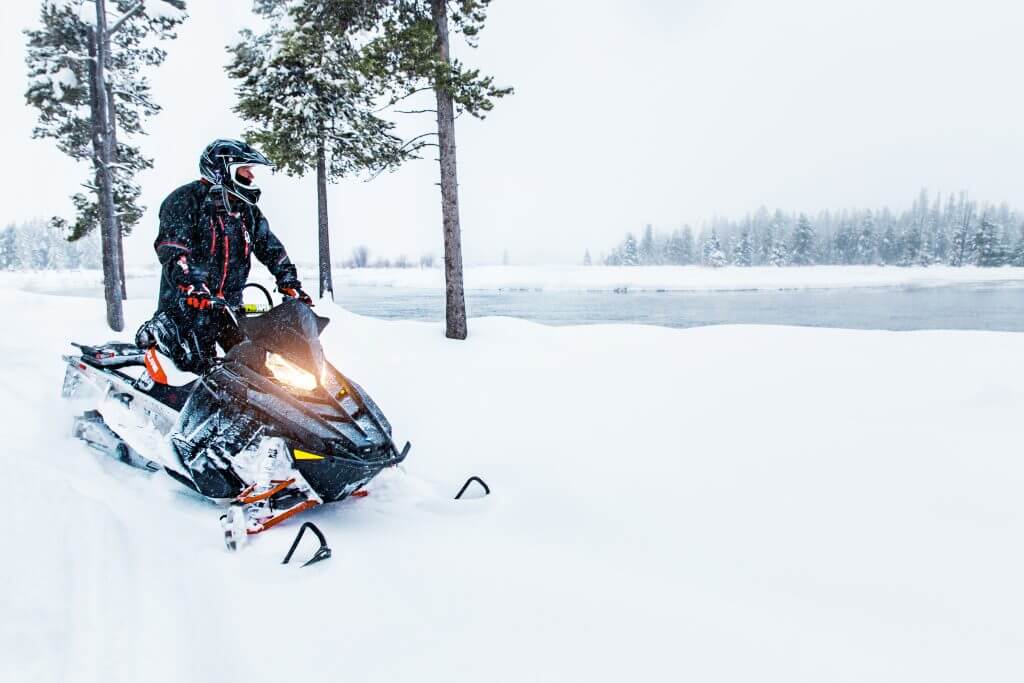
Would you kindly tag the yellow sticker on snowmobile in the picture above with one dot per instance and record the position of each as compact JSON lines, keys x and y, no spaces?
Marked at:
{"x":303,"y":455}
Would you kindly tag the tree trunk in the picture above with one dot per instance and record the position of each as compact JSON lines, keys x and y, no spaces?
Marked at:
{"x":101,"y":155}
{"x":326,"y":286}
{"x":112,"y":112}
{"x":455,"y":305}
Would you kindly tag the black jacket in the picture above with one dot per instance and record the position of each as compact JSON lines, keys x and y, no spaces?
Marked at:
{"x":215,"y":244}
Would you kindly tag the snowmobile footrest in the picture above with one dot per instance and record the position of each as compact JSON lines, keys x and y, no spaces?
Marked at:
{"x":245,"y":497}
{"x":322,"y":553}
{"x":277,"y":519}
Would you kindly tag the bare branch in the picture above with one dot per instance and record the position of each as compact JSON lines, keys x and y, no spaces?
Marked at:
{"x":403,"y":97}
{"x":410,"y":142}
{"x":124,"y":17}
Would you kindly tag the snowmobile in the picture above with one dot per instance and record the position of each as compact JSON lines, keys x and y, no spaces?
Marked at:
{"x":271,"y":428}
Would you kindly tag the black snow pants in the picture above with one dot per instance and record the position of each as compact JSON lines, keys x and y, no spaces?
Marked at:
{"x":204,"y":330}
{"x":189,"y":336}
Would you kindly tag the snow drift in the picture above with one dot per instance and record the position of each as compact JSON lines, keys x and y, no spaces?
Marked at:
{"x":713,"y":504}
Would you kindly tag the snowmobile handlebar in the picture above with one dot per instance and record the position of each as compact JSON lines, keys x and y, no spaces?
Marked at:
{"x":242,"y":309}
{"x":252,"y":309}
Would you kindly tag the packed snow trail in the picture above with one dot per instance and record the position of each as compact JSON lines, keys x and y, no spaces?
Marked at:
{"x":714,"y":504}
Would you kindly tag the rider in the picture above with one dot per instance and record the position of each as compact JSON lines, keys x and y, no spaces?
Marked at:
{"x":208,"y":229}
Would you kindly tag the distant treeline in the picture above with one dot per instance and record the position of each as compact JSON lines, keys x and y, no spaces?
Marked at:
{"x":954,"y":231}
{"x":361,"y":259}
{"x":36,"y":245}
{"x":39,"y":245}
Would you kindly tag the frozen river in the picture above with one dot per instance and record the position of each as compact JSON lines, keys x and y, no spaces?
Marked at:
{"x":964,"y":307}
{"x":994,"y":306}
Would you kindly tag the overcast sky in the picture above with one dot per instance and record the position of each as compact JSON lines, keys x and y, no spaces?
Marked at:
{"x":657,"y":111}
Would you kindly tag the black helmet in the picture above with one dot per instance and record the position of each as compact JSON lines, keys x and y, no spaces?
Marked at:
{"x":219,"y":165}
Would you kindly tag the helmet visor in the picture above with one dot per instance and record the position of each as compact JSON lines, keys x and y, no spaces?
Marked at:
{"x":244,"y":175}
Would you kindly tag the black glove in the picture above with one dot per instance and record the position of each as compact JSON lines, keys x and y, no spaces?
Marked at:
{"x":294,"y":290}
{"x":198,"y":298}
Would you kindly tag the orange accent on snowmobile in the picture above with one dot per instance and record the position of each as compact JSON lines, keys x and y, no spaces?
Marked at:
{"x":154,"y":368}
{"x":290,"y":512}
{"x":244,"y":496}
{"x":361,"y":493}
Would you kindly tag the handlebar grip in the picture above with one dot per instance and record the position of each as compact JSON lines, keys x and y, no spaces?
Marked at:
{"x":253,"y":308}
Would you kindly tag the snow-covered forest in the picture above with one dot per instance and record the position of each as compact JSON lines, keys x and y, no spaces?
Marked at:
{"x":952,"y":230}
{"x":37,"y":245}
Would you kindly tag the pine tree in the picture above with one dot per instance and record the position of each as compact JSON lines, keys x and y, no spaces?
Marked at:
{"x":674,"y":249}
{"x":780,"y":254}
{"x":9,"y":249}
{"x":910,"y":252}
{"x":412,"y":53}
{"x":773,"y":232}
{"x":586,"y":258}
{"x":867,"y":247}
{"x":925,"y":254}
{"x":940,"y":245}
{"x":962,"y":243}
{"x":845,"y":245}
{"x":802,"y":252}
{"x":887,"y":246}
{"x":86,"y":79}
{"x":743,"y":250}
{"x":989,"y":248}
{"x":648,"y":255}
{"x":712,"y":252}
{"x":1018,"y":250}
{"x":687,"y":251}
{"x":630,"y":253}
{"x":310,"y":105}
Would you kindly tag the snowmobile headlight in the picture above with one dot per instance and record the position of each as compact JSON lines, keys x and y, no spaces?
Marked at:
{"x":290,"y":374}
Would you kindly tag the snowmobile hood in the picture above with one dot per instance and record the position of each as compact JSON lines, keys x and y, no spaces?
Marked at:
{"x":291,"y":329}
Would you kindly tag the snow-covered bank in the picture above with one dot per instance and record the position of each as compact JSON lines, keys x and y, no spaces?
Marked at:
{"x":592,"y":278}
{"x":714,"y":504}
{"x":678,"y":278}
{"x":44,"y":281}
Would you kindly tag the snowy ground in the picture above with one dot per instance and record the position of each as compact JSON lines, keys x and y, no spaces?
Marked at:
{"x":598,"y":278}
{"x":714,"y":504}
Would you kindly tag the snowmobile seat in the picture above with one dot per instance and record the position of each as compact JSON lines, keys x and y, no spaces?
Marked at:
{"x":111,"y":355}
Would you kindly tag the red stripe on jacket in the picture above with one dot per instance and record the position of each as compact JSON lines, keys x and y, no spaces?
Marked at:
{"x":175,"y":245}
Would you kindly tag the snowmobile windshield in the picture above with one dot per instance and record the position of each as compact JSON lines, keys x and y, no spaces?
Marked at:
{"x":292,"y":330}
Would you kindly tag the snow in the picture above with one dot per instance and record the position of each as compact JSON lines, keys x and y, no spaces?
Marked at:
{"x":60,"y":5}
{"x":62,"y":81}
{"x":677,"y":278}
{"x":601,"y":278}
{"x":713,"y":504}
{"x":159,"y":9}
